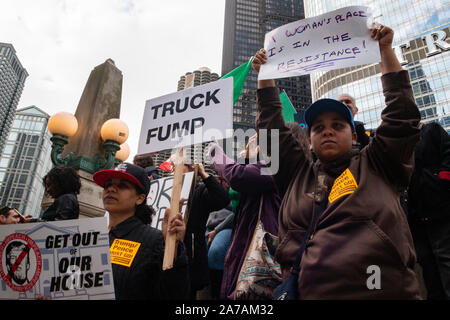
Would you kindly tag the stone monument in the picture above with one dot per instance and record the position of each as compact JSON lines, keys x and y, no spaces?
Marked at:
{"x":100,"y":101}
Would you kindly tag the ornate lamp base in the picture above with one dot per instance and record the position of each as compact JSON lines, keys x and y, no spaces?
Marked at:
{"x":80,"y":162}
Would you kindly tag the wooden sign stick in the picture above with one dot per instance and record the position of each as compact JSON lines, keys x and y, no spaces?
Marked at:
{"x":171,"y":239}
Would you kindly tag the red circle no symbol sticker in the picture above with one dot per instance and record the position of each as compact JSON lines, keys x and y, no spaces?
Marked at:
{"x":21,"y":262}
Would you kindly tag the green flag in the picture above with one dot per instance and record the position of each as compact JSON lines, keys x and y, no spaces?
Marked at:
{"x":288,"y":108}
{"x":239,"y":75}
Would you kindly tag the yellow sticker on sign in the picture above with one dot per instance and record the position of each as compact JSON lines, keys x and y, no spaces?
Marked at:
{"x":123,"y":252}
{"x":344,"y":184}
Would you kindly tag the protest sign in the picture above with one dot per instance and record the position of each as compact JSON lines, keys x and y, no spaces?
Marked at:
{"x":161,"y":193}
{"x":194,"y":115}
{"x":67,"y":259}
{"x":333,"y":40}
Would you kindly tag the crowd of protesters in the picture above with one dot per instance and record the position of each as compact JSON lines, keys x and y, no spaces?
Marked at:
{"x":348,"y":198}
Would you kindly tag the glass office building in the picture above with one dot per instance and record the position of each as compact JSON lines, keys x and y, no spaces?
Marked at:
{"x":246,"y":23}
{"x":25,"y":161}
{"x":422,"y":44}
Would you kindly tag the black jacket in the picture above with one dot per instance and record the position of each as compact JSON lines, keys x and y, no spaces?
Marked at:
{"x":208,"y":196}
{"x":65,"y":207}
{"x":429,"y":195}
{"x":144,"y":279}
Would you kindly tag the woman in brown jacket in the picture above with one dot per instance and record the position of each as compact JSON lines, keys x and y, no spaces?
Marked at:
{"x":361,"y":246}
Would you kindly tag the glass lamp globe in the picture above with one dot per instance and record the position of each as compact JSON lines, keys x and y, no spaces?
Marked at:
{"x":115,"y":130}
{"x":123,"y":153}
{"x":63,"y":123}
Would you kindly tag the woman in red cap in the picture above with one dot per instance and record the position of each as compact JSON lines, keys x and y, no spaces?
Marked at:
{"x":140,"y":275}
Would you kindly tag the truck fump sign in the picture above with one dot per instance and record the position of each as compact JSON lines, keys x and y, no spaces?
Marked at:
{"x":187,"y":117}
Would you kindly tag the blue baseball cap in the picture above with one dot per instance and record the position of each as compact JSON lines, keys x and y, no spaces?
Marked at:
{"x":323,"y":105}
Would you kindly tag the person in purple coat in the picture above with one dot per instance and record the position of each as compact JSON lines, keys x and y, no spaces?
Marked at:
{"x":251,"y":185}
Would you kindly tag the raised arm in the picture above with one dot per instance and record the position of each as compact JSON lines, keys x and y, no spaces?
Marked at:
{"x":389,"y":61}
{"x":291,"y":155}
{"x":259,"y":59}
{"x":392,"y":148}
{"x":242,"y":178}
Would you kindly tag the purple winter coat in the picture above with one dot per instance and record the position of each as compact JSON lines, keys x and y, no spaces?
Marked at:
{"x":248,"y":181}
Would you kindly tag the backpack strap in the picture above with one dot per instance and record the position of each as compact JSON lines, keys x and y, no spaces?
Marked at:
{"x":317,"y":213}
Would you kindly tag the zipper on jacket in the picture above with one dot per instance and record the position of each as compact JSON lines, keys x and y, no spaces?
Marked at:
{"x":316,"y":217}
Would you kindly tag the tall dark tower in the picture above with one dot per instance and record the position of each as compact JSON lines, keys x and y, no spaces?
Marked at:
{"x":12,"y":80}
{"x":246,"y":23}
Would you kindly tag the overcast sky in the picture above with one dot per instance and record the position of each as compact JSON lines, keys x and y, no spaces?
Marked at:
{"x":152,"y":42}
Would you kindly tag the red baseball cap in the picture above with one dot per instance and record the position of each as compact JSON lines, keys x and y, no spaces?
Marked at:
{"x":125,"y":171}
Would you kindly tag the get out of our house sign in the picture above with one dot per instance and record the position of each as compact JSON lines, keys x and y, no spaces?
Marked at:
{"x":60,"y":260}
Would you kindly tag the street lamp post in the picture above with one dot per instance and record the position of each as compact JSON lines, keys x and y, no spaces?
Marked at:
{"x":123,"y":154}
{"x":64,"y":125}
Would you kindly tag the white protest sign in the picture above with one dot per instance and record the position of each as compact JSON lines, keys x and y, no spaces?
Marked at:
{"x":333,"y":40}
{"x":191,"y":116}
{"x":67,"y":259}
{"x":161,"y":193}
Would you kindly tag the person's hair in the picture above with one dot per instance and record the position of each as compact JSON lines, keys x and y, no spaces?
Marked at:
{"x":299,"y":133}
{"x":346,"y":94}
{"x":5,"y":211}
{"x":64,"y":179}
{"x":138,"y":189}
{"x":12,"y":245}
{"x":16,"y":244}
{"x":143,"y":211}
{"x":143,"y":161}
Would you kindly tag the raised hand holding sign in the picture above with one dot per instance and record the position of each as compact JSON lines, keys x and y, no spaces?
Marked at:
{"x":333,"y":40}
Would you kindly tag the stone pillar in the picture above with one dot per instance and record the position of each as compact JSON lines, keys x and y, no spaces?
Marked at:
{"x":90,"y":197}
{"x":100,"y":101}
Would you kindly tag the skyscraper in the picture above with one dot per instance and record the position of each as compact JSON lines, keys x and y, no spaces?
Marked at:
{"x":12,"y":80}
{"x":198,"y":77}
{"x":422,"y":45}
{"x":25,"y":161}
{"x":246,"y":23}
